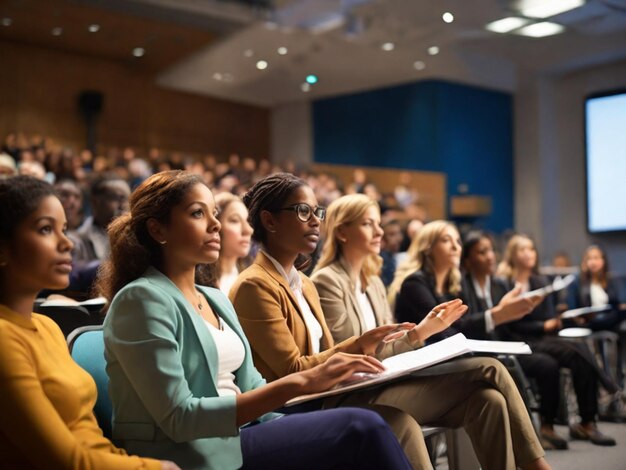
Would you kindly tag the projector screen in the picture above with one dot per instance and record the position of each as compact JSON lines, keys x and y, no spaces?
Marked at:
{"x":605,"y":133}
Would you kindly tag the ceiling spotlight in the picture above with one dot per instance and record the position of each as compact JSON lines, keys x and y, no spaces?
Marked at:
{"x":540,"y":30}
{"x":7,"y":21}
{"x":139,"y":51}
{"x":545,"y":9}
{"x":282,"y":50}
{"x":305,"y":87}
{"x":93,"y":28}
{"x":388,"y":46}
{"x":311,"y":79}
{"x":447,"y":17}
{"x":248,"y":53}
{"x":433,"y":50}
{"x":217,"y":76}
{"x":57,"y":31}
{"x":261,"y":65}
{"x":419,"y":65}
{"x":506,"y":25}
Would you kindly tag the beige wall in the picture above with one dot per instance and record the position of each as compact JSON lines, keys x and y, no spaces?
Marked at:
{"x":550,"y":201}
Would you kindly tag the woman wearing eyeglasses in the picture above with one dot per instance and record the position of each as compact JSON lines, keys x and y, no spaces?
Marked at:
{"x":279,"y":309}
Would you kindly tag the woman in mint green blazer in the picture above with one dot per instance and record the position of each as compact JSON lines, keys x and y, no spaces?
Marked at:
{"x":182,"y":381}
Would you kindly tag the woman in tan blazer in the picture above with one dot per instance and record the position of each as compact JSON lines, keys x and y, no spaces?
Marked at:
{"x":352,"y":294}
{"x":281,"y":314}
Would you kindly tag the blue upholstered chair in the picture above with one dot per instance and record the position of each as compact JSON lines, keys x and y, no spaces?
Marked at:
{"x":87,"y":348}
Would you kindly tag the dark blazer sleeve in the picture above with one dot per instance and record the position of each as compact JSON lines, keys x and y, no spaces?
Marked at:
{"x":416,"y":298}
{"x":532,"y":324}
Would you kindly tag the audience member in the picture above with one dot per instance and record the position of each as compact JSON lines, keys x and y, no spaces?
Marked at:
{"x":109,"y":199}
{"x":47,"y":399}
{"x":182,"y":379}
{"x":281,"y":313}
{"x":539,"y":329}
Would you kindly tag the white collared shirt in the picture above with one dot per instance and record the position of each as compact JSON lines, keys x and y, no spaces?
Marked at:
{"x":485,"y":294}
{"x":228,"y":279}
{"x":598,"y":295}
{"x":295,"y":283}
{"x":367,"y":312}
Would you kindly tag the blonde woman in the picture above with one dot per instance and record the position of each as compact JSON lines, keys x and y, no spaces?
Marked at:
{"x":281,"y":312}
{"x":539,"y":329}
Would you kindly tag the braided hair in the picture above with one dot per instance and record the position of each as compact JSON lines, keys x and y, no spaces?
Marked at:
{"x":269,"y":194}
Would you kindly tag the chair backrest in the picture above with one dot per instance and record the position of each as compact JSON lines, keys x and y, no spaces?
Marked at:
{"x":69,"y":318}
{"x":87,"y":348}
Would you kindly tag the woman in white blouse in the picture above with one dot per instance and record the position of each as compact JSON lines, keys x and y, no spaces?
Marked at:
{"x":235,"y":237}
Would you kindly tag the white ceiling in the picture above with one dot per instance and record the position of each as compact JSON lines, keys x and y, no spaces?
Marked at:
{"x":595,"y":34}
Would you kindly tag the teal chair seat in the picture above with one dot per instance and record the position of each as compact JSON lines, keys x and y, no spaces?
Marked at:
{"x":87,"y":349}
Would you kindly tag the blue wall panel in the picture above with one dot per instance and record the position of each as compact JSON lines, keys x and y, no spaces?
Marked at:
{"x":463,"y":131}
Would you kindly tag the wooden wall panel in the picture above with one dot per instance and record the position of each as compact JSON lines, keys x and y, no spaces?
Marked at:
{"x":430,"y":185}
{"x":38,"y":95}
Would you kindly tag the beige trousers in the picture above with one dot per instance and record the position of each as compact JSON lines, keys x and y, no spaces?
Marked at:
{"x":475,"y":393}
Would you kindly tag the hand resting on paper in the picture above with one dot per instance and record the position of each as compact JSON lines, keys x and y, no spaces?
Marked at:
{"x":339,"y":368}
{"x":370,"y":340}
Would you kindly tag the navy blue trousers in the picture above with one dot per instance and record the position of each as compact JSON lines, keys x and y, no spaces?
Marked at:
{"x":343,"y":438}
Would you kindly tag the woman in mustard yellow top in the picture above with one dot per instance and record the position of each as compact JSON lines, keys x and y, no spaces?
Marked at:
{"x":46,"y":398}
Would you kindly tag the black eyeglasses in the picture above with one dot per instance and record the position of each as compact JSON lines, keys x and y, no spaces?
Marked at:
{"x":305,"y":212}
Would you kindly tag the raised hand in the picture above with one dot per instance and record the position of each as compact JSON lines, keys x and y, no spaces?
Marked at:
{"x":513,"y":307}
{"x":437,"y":320}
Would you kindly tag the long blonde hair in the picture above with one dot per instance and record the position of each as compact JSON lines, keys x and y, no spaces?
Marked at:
{"x":419,"y":257}
{"x":343,"y":211}
{"x":507,"y":267}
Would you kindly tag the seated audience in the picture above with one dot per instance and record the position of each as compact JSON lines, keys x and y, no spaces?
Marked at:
{"x":539,"y":329}
{"x":430,"y":275}
{"x":280,"y":312}
{"x":390,"y":247}
{"x":595,"y":287}
{"x":47,"y":399}
{"x":182,"y":380}
{"x":482,"y":290}
{"x":71,"y":197}
{"x":109,"y":199}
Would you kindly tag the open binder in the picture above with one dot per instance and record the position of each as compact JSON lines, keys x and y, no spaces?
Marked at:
{"x":405,"y":363}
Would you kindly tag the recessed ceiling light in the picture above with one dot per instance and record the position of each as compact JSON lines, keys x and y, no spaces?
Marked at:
{"x":447,"y":17}
{"x":217,"y":76}
{"x":388,"y":46}
{"x":261,"y":65}
{"x":248,"y":53}
{"x":7,"y":21}
{"x":540,"y":30}
{"x":139,"y":51}
{"x":311,"y":79}
{"x":282,"y":50}
{"x":419,"y":65}
{"x":93,"y":28}
{"x":57,"y":31}
{"x":506,"y":25}
{"x":433,"y":50}
{"x":547,"y":8}
{"x":305,"y":87}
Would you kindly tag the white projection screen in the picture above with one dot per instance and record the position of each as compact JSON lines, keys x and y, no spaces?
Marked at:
{"x":605,"y":135}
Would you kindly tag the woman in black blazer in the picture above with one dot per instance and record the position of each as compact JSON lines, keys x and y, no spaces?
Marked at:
{"x":539,"y":329}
